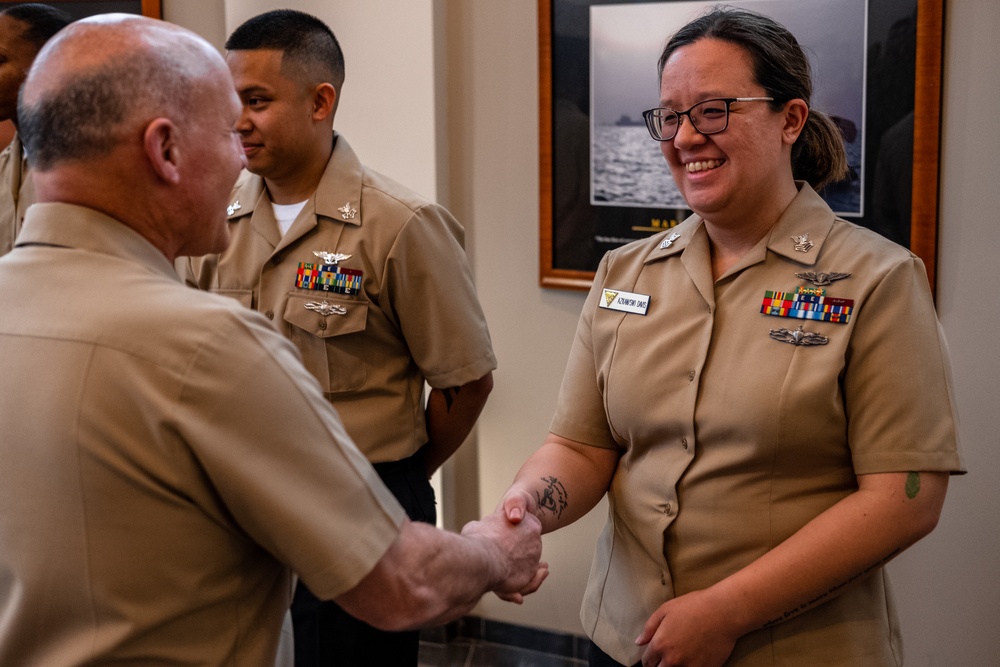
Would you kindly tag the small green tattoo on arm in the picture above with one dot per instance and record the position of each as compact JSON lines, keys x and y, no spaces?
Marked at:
{"x":912,"y":485}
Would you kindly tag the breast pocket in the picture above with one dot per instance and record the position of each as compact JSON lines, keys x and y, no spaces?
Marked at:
{"x":330,"y":333}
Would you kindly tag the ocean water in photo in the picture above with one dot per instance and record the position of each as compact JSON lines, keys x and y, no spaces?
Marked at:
{"x":629,"y":170}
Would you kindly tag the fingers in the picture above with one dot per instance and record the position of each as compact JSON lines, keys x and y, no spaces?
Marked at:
{"x":515,"y":506}
{"x":541,"y":573}
{"x":649,"y":628}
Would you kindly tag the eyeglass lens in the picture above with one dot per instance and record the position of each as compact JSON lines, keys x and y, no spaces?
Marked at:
{"x":707,"y":117}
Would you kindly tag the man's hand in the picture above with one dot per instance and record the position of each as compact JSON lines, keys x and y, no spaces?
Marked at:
{"x":692,"y":630}
{"x":518,"y":550}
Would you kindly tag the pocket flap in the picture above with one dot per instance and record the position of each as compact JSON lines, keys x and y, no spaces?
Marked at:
{"x":324,"y":315}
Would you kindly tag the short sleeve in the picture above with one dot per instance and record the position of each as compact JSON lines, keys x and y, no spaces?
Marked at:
{"x":432,"y":296}
{"x":580,"y":410}
{"x":278,"y":456}
{"x":897,"y":383}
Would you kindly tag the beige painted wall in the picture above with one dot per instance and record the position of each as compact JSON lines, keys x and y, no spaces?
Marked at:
{"x":487,"y":170}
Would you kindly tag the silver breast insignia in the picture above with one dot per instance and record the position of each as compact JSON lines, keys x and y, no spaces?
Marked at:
{"x":822,"y":279}
{"x":799,"y":337}
{"x":331,"y":257}
{"x":325,"y":308}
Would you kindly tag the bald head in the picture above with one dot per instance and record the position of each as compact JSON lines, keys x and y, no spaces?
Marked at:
{"x":101,"y":80}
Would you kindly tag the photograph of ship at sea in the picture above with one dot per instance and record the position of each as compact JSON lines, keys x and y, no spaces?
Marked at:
{"x":627,"y":168}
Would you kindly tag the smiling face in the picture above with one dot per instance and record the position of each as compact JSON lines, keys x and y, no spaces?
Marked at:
{"x":276,"y":125}
{"x":726,"y":175}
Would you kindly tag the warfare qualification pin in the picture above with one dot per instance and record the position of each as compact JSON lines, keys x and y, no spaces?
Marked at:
{"x":331,"y":257}
{"x":799,"y":337}
{"x":822,"y":279}
{"x":326,"y":308}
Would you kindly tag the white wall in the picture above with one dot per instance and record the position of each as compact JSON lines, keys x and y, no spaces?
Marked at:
{"x":948,"y":586}
{"x":485,"y":152}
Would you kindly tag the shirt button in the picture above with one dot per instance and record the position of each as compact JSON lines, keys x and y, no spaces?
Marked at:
{"x":322,"y":324}
{"x":269,"y":315}
{"x":691,"y":376}
{"x":684,"y":443}
{"x":667,"y":508}
{"x":276,"y":260}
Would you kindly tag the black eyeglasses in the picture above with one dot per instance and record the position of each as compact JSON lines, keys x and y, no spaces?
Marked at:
{"x":707,"y":117}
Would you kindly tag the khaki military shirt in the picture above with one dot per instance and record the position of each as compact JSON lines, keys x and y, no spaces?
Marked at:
{"x":733,"y":436}
{"x":166,"y":462}
{"x":414,"y":316}
{"x":16,"y":192}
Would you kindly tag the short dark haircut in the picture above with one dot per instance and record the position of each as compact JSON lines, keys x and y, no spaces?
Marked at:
{"x":41,"y":21}
{"x":301,"y":37}
{"x":781,"y":67}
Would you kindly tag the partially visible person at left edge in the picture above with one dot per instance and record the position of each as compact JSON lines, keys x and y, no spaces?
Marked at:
{"x":24,"y":29}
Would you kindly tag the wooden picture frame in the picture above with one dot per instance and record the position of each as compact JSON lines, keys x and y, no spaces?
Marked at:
{"x":568,"y":226}
{"x":79,"y":9}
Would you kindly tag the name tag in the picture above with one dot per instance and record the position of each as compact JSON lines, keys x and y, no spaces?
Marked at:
{"x":626,"y":302}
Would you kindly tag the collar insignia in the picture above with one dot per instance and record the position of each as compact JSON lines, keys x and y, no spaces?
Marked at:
{"x":802,"y":243}
{"x":669,"y":241}
{"x":235,"y":206}
{"x":348,"y":213}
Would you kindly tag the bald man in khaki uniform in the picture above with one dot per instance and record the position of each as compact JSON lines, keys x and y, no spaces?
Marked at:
{"x":167,"y":461}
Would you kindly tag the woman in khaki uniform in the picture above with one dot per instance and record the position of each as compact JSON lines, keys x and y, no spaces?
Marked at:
{"x":763,"y":392}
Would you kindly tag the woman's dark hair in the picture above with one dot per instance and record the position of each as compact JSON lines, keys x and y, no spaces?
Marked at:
{"x":780,"y":66}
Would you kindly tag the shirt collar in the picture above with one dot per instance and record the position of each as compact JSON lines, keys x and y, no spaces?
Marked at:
{"x":807,"y":218}
{"x":338,"y":192}
{"x":72,"y":226}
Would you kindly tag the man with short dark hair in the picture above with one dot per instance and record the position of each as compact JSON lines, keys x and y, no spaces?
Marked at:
{"x":367,"y":278}
{"x":167,"y":462}
{"x":24,"y":30}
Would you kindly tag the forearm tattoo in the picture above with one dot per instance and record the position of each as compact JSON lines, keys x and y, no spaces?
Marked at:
{"x":912,"y":485}
{"x":553,"y":498}
{"x":823,"y":596}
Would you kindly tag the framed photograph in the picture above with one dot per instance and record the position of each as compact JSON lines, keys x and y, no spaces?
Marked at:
{"x":876,"y":70}
{"x":79,"y":10}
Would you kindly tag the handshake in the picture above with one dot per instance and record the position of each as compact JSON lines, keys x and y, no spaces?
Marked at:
{"x":515,"y":539}
{"x":430,"y":577}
